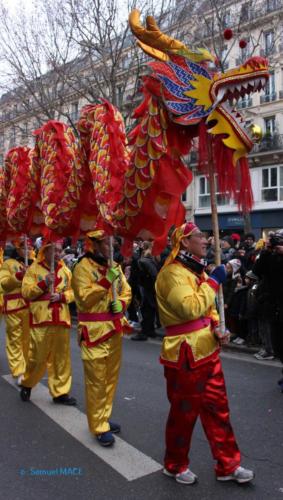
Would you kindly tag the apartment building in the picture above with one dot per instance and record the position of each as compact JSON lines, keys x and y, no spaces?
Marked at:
{"x":265,"y":109}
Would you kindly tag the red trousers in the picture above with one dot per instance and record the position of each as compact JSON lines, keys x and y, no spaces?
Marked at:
{"x":199,"y":392}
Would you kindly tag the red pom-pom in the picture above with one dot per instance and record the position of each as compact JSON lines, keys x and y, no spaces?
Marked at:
{"x":228,"y":34}
{"x":242,"y":43}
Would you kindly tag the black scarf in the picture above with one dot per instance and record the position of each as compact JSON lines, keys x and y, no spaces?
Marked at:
{"x":192,"y":262}
{"x":98,"y":258}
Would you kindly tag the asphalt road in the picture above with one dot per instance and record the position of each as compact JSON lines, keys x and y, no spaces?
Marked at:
{"x":34,"y":445}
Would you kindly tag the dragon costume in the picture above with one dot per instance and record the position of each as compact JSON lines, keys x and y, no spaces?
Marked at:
{"x":134,"y":186}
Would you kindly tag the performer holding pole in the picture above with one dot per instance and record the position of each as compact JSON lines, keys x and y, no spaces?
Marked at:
{"x":50,"y":324}
{"x":101,"y":323}
{"x":190,"y":355}
{"x":16,"y":308}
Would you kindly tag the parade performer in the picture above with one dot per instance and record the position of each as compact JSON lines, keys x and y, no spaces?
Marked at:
{"x":190,"y":353}
{"x":101,"y":323}
{"x":16,"y":309}
{"x":49,"y":295}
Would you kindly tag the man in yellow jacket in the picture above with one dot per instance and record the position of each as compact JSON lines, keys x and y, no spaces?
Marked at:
{"x":101,"y":323}
{"x":49,"y":295}
{"x":15,"y":309}
{"x":190,"y":355}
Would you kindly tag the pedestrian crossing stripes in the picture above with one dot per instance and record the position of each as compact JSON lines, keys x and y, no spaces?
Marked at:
{"x":123,"y":457}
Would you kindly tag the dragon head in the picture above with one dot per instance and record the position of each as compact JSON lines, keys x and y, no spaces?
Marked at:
{"x":192,"y":93}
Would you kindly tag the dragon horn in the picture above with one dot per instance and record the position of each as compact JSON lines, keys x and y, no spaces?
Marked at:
{"x":158,"y":45}
{"x":152,"y":40}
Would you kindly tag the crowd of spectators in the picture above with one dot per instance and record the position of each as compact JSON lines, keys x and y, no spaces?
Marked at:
{"x":248,"y":295}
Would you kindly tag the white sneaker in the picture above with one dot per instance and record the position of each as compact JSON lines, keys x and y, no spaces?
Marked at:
{"x":240,"y":341}
{"x":264,"y":355}
{"x":185,"y":477}
{"x":240,"y":475}
{"x":235,"y":341}
{"x":134,"y":324}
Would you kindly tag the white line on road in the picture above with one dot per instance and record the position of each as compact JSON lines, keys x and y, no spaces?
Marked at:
{"x":124,"y":458}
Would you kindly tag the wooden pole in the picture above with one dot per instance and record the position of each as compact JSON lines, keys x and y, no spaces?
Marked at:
{"x":26,"y":251}
{"x":111,"y":262}
{"x":215,"y":229}
{"x":52,"y":266}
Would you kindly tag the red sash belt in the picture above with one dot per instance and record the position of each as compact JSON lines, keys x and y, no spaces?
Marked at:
{"x":13,"y":296}
{"x":107,"y":316}
{"x":8,"y":296}
{"x":188,"y":327}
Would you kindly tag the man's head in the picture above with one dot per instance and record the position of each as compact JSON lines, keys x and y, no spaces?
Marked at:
{"x":227,"y":242}
{"x":189,"y":238}
{"x":249,"y":239}
{"x":100,"y":243}
{"x":47,"y":252}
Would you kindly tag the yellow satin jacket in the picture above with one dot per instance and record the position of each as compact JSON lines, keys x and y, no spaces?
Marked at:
{"x":182,"y":298}
{"x":93,"y":296}
{"x":34,"y":289}
{"x":11,"y":286}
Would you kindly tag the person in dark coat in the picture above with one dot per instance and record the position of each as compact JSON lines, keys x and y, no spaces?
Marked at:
{"x":148,"y":270}
{"x":269,"y":267}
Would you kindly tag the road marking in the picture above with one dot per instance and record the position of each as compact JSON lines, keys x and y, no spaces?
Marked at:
{"x":124,"y":458}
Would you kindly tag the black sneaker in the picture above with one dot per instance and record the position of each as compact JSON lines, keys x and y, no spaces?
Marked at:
{"x":65,"y":399}
{"x":114,"y":428}
{"x":105,"y":438}
{"x":25,"y":393}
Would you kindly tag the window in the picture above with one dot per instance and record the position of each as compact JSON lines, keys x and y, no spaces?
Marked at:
{"x":246,"y":51}
{"x":204,"y":194}
{"x":270,"y":85}
{"x":2,"y":140}
{"x":1,"y":160}
{"x":223,"y":57}
{"x":12,"y":137}
{"x":227,"y":19}
{"x":271,"y":5}
{"x":119,"y":94}
{"x":272,"y":184}
{"x":245,"y":12}
{"x":74,"y":111}
{"x":269,"y":125}
{"x":269,"y":42}
{"x":24,"y":131}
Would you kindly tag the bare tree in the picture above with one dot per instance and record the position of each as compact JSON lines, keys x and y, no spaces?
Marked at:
{"x":63,"y":52}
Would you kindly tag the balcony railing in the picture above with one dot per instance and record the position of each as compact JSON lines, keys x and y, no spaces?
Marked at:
{"x":268,"y":97}
{"x":269,"y":143}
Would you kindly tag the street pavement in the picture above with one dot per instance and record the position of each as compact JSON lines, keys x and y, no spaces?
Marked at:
{"x":47,"y":451}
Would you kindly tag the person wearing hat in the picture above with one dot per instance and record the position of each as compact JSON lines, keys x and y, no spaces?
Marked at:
{"x":49,"y":295}
{"x":228,"y":250}
{"x":15,"y":309}
{"x":101,"y":323}
{"x":190,"y":355}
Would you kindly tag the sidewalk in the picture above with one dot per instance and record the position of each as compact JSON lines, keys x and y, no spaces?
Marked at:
{"x":227,"y":347}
